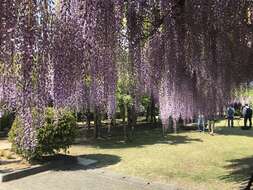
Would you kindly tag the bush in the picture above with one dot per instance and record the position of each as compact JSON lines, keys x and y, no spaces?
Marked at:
{"x":13,"y":134}
{"x":238,"y":113}
{"x":57,"y":133}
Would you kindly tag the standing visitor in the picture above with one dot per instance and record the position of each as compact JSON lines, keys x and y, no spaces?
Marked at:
{"x":1,"y":115}
{"x":247,"y":115}
{"x":211,"y":123}
{"x":230,"y":116}
{"x":201,"y":122}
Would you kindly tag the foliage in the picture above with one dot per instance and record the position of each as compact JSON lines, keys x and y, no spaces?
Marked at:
{"x":15,"y":131}
{"x":238,"y":112}
{"x":57,"y":133}
{"x":145,"y":101}
{"x":185,"y":55}
{"x":123,"y":99}
{"x":244,"y":95}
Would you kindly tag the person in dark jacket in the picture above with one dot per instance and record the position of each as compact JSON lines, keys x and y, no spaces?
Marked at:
{"x":247,"y":114}
{"x":230,"y":116}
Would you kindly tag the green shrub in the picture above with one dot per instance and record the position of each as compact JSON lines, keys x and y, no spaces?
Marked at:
{"x":57,"y":133}
{"x":238,"y":112}
{"x":13,"y":134}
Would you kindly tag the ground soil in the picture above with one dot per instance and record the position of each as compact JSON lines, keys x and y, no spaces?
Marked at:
{"x":9,"y":161}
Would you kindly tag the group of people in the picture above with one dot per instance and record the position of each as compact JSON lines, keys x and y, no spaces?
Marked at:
{"x":203,"y":124}
{"x":246,"y":113}
{"x":230,"y":113}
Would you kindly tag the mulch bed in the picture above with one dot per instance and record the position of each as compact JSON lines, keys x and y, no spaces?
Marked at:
{"x":10,"y":162}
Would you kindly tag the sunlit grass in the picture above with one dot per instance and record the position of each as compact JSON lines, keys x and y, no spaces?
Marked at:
{"x":190,"y":159}
{"x":238,"y":122}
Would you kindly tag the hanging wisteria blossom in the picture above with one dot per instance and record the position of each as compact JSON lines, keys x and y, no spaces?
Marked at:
{"x":188,"y":56}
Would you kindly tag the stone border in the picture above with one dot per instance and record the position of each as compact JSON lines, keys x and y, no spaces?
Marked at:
{"x":4,"y":177}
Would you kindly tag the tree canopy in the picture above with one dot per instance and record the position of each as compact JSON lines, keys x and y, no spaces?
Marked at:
{"x":188,"y":55}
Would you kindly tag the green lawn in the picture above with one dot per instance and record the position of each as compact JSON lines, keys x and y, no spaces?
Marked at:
{"x":250,"y":92}
{"x":190,"y":159}
{"x":249,"y":95}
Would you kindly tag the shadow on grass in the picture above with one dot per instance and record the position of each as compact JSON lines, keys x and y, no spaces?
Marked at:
{"x":241,"y":171}
{"x":103,"y":160}
{"x":237,"y":131}
{"x":140,"y":139}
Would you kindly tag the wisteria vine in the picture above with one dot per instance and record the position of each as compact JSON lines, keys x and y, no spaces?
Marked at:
{"x":188,"y":55}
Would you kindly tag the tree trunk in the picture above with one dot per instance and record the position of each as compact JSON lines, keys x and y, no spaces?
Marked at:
{"x":184,"y":122}
{"x":125,"y":131}
{"x":221,"y":112}
{"x":148,"y":113}
{"x":109,"y":129}
{"x":88,"y":114}
{"x":164,"y":129}
{"x":124,"y":113}
{"x":152,"y":110}
{"x":175,"y":125}
{"x":111,"y":124}
{"x":97,"y":123}
{"x":134,"y":25}
{"x":100,"y":117}
{"x":131,"y":120}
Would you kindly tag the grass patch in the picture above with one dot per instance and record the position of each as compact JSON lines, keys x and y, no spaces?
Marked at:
{"x":190,"y":159}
